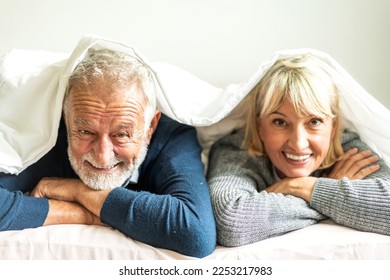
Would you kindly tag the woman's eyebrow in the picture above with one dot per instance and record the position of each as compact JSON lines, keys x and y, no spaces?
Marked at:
{"x":278,"y":113}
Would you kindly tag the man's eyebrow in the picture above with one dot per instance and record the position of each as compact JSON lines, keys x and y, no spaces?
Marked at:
{"x":124,"y":126}
{"x":82,"y":122}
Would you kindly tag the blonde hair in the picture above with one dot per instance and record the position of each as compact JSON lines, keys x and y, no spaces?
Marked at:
{"x":307,"y":82}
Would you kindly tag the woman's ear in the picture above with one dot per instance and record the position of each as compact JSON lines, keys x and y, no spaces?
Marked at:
{"x":153,"y":125}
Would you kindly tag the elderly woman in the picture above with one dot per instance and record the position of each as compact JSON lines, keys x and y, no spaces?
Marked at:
{"x":294,"y":164}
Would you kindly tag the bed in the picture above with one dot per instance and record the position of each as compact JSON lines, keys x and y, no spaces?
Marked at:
{"x":322,"y":241}
{"x":214,"y":111}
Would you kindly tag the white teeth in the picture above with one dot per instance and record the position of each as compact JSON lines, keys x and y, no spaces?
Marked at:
{"x":110,"y":164}
{"x":297,"y":158}
{"x":103,"y":167}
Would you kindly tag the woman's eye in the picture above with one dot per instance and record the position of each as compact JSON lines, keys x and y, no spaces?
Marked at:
{"x":279,"y":122}
{"x":315,"y":122}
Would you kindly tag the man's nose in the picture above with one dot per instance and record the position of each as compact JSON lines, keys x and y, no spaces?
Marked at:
{"x":104,"y":150}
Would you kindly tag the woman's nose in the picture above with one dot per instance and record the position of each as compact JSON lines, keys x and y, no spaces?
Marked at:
{"x":299,"y":139}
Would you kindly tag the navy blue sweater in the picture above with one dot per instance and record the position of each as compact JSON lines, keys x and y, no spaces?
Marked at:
{"x":169,"y":207}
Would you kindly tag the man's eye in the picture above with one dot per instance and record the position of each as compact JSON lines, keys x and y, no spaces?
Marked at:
{"x":122,"y":135}
{"x":85,"y":134}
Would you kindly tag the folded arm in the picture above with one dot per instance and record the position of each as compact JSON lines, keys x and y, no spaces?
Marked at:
{"x":70,"y":201}
{"x":19,"y":211}
{"x":360,"y":201}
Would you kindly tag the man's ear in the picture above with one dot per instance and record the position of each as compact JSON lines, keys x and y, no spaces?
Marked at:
{"x":153,"y":125}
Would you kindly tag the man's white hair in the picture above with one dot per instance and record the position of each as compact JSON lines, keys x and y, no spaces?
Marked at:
{"x":114,"y":70}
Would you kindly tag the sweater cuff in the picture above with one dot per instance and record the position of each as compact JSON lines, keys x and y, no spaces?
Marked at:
{"x":115,"y":208}
{"x":325,"y":195}
{"x":32,"y":213}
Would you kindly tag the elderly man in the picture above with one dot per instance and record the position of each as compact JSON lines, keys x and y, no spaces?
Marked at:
{"x":117,"y":161}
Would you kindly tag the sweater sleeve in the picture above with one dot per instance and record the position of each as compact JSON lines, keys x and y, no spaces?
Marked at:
{"x":360,"y":204}
{"x":172,"y":209}
{"x":244,"y":211}
{"x":18,"y":211}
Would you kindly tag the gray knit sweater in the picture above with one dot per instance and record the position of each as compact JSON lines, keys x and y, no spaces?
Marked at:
{"x":246,"y":213}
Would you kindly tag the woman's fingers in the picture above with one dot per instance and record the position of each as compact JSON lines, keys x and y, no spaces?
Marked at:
{"x":355,"y":165}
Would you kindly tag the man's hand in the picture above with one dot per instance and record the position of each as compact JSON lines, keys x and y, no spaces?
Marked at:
{"x":71,"y":192}
{"x":354,"y":165}
{"x":58,"y":189}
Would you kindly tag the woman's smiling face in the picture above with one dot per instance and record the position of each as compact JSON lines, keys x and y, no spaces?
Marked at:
{"x":296,"y":145}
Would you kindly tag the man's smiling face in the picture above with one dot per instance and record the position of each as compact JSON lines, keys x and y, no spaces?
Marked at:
{"x":106,"y":134}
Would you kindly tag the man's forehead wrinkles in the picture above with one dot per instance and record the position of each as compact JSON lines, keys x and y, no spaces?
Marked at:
{"x":120,"y":124}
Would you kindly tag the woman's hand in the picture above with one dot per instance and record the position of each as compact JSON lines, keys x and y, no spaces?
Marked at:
{"x":354,"y":165}
{"x":300,"y":187}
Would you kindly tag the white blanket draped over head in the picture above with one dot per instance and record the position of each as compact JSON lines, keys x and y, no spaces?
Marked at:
{"x":33,"y":83}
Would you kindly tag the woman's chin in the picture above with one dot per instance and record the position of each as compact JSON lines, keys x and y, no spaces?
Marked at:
{"x":297,"y":173}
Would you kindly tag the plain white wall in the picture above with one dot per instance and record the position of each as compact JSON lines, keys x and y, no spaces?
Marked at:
{"x":221,"y":41}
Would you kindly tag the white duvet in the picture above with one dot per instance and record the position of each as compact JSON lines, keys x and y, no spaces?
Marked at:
{"x":32,"y":86}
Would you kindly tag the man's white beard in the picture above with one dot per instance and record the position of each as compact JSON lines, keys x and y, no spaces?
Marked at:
{"x":98,"y":181}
